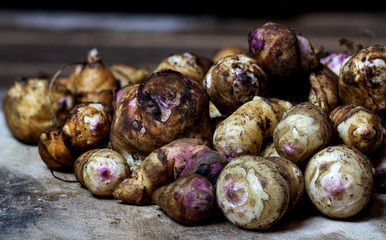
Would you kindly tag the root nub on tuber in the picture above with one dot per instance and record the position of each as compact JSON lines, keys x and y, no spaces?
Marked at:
{"x":187,"y":200}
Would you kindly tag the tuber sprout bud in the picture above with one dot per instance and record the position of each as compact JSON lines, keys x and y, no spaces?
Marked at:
{"x":358,"y":127}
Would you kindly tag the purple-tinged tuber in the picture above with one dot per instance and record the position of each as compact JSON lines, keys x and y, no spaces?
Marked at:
{"x":188,"y":200}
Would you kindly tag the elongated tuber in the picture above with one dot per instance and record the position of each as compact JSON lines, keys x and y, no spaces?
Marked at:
{"x":244,"y":131}
{"x":164,"y":165}
{"x":188,"y":200}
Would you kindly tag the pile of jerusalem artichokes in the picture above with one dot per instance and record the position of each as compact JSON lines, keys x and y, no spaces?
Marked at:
{"x":250,"y":132}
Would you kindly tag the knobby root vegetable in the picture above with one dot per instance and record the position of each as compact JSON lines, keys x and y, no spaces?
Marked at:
{"x":339,"y":181}
{"x":164,"y":107}
{"x":186,"y":63}
{"x":303,"y":130}
{"x":244,"y":130}
{"x":188,"y":200}
{"x":27,"y":108}
{"x":86,"y":127}
{"x":101,"y":171}
{"x":324,"y":89}
{"x":165,"y":164}
{"x":358,"y":127}
{"x":234,"y":80}
{"x":53,"y":151}
{"x":362,"y":80}
{"x":252,"y":193}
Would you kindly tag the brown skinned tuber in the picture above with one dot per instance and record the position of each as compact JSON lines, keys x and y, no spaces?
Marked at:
{"x":286,"y":58}
{"x":339,"y":181}
{"x":252,"y":193}
{"x":93,"y":81}
{"x":188,"y":200}
{"x":187,"y":63}
{"x":53,"y":151}
{"x":244,"y":131}
{"x":164,"y":165}
{"x":362,"y":80}
{"x":233,"y":81}
{"x":227,"y":51}
{"x":324,"y":89}
{"x":28,"y":110}
{"x":303,"y":130}
{"x":164,"y":107}
{"x":358,"y":127}
{"x":86,"y":127}
{"x":101,"y":170}
{"x":128,"y":74}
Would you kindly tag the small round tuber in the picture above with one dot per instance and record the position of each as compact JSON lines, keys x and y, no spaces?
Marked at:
{"x":101,"y":170}
{"x":339,"y":181}
{"x":234,"y":80}
{"x":86,"y":127}
{"x":358,"y":127}
{"x":303,"y":130}
{"x":188,"y":200}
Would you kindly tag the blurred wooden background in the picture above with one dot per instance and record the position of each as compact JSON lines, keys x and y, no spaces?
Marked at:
{"x":34,"y":42}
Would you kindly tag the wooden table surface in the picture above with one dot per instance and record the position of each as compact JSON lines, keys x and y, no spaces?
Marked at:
{"x":35,"y":205}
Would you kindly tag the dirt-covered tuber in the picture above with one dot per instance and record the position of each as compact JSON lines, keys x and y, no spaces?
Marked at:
{"x":86,"y":127}
{"x":362,"y":80}
{"x":164,"y":107}
{"x":101,"y":171}
{"x":28,"y":110}
{"x":244,"y":131}
{"x":358,"y":127}
{"x":303,"y":130}
{"x":188,"y":200}
{"x":252,"y":193}
{"x":233,"y":81}
{"x":339,"y":181}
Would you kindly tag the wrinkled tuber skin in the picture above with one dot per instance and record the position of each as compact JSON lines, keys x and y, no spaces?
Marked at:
{"x":324,"y":89}
{"x":286,"y":58}
{"x":251,"y":192}
{"x":186,"y":63}
{"x":362,"y":80}
{"x":334,"y":61}
{"x":294,"y":177}
{"x":244,"y":130}
{"x":86,"y":127}
{"x":188,"y":200}
{"x":161,"y":167}
{"x":53,"y":151}
{"x":27,"y":108}
{"x":339,"y":181}
{"x":358,"y":127}
{"x":101,"y":170}
{"x":164,"y":107}
{"x":303,"y":130}
{"x":233,"y":81}
{"x":94,"y":81}
{"x":227,"y":51}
